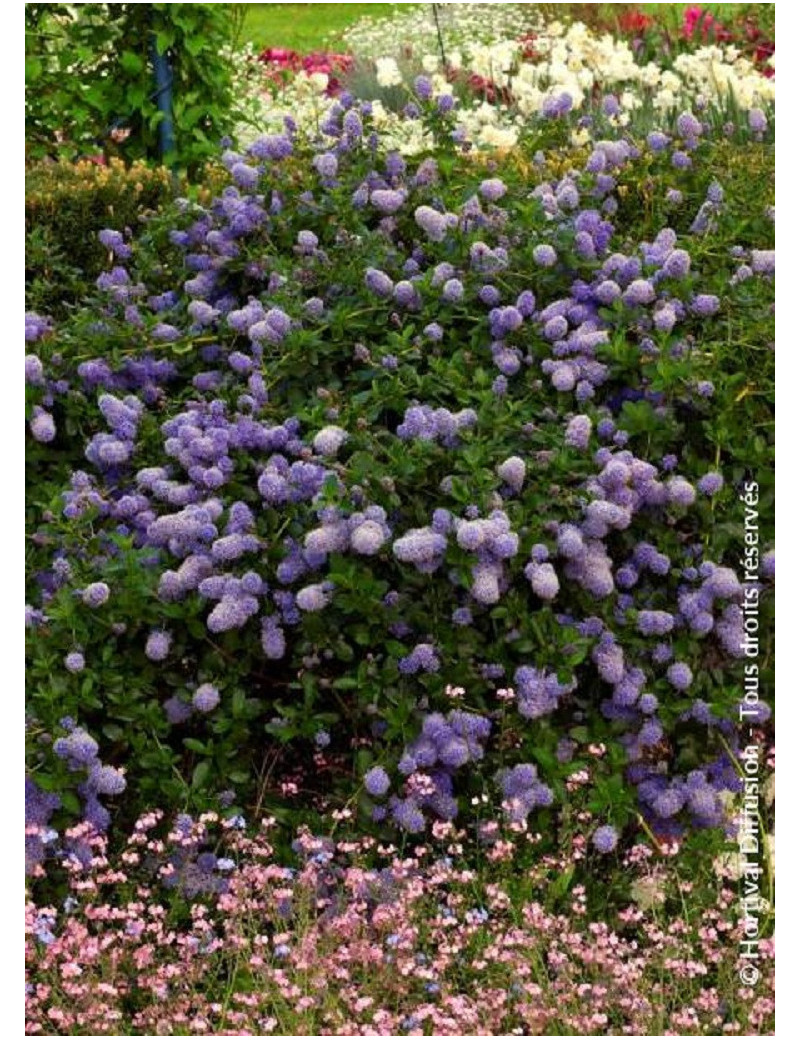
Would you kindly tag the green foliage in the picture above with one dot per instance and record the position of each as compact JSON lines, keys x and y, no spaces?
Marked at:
{"x":66,"y":205}
{"x":89,"y":79}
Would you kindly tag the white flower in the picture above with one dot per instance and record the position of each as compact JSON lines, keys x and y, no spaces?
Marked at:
{"x":529,"y":99}
{"x":630,"y":101}
{"x":440,"y":85}
{"x":454,"y":60}
{"x":498,"y":137}
{"x":484,"y":41}
{"x":580,"y":137}
{"x":387,"y":72}
{"x":380,"y":116}
{"x":649,"y":75}
{"x":318,"y":81}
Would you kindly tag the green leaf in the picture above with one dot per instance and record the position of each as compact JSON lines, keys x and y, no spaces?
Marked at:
{"x":560,"y":886}
{"x":345,"y":683}
{"x":33,"y":69}
{"x":201,"y":773}
{"x":131,"y":62}
{"x":70,"y":801}
{"x":164,"y":39}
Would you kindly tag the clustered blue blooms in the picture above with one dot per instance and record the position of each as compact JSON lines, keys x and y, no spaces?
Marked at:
{"x":39,"y":807}
{"x":539,"y":692}
{"x":492,"y":542}
{"x":523,"y":791}
{"x":605,"y":838}
{"x":422,"y":422}
{"x":80,"y":752}
{"x":246,"y":513}
{"x":205,"y":698}
{"x":444,"y":745}
{"x":423,"y":658}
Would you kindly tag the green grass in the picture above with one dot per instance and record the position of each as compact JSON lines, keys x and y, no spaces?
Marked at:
{"x":305,"y":27}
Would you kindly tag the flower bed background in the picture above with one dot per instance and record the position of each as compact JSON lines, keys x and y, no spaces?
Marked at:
{"x":398,"y":497}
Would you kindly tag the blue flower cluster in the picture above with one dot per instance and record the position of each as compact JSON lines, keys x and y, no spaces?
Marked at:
{"x":444,"y":745}
{"x":80,"y":752}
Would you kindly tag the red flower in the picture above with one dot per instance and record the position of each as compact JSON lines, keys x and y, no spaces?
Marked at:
{"x":694,"y":20}
{"x":635,"y":22}
{"x":280,"y":56}
{"x":482,"y":86}
{"x":764,"y":52}
{"x":691,"y":16}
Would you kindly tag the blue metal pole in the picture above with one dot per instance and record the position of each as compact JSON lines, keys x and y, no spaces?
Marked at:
{"x":162,"y":73}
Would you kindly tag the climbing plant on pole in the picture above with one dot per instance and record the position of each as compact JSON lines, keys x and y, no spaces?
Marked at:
{"x":109,"y":79}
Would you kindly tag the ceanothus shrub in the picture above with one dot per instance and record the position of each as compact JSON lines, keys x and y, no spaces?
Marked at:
{"x":358,"y":434}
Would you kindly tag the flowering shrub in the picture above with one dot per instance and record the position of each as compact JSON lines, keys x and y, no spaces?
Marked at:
{"x":362,"y":438}
{"x":203,"y":931}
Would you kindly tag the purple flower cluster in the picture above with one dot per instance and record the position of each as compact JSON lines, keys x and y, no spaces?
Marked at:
{"x":96,"y":594}
{"x":424,"y":547}
{"x":376,"y":781}
{"x":80,"y":753}
{"x":423,"y":658}
{"x":158,"y":646}
{"x":365,"y":533}
{"x":205,"y":698}
{"x":444,"y":745}
{"x":512,"y":471}
{"x":421,"y":422}
{"x":523,"y":791}
{"x":434,"y":224}
{"x":39,"y":807}
{"x":539,"y":692}
{"x":42,"y":425}
{"x":492,"y":542}
{"x":605,"y":839}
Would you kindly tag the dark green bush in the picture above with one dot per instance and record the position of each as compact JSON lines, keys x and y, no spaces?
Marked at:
{"x":66,"y":205}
